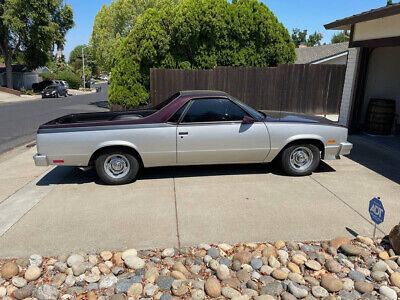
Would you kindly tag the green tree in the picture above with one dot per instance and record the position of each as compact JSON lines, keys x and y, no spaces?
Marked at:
{"x":112,"y":24}
{"x":339,"y":38}
{"x":75,"y":61}
{"x":30,"y":28}
{"x":197,"y":34}
{"x":300,"y":37}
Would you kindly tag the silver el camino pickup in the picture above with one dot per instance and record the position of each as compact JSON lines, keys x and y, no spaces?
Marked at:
{"x":189,"y":128}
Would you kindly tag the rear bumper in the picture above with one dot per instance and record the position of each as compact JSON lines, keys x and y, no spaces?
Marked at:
{"x":41,"y":160}
{"x":333,"y":152}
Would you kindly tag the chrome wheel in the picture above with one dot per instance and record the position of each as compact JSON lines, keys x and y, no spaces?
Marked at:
{"x":117,"y":166}
{"x":301,"y":158}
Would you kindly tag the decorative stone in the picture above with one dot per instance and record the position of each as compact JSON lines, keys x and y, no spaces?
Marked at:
{"x":272,"y":289}
{"x":299,"y":259}
{"x":243,"y":256}
{"x":213,"y":287}
{"x":46,"y":292}
{"x":106,"y":255}
{"x":135,"y":290}
{"x":164,"y":282}
{"x":351,"y":249}
{"x":223,"y":272}
{"x":293,"y":268}
{"x":395,"y":279}
{"x":229,"y":292}
{"x":9,"y":270}
{"x":394,"y":238}
{"x":339,"y":241}
{"x":297,"y":291}
{"x":169,"y":252}
{"x":279,"y":274}
{"x":19,"y":282}
{"x":32,"y":273}
{"x":243,"y":275}
{"x":108,"y":281}
{"x":363,"y":287}
{"x":331,"y":283}
{"x":388,"y":292}
{"x":35,"y":260}
{"x":59,"y":279}
{"x":134,"y":262}
{"x":379,"y":276}
{"x":333,"y":266}
{"x":313,"y":265}
{"x":319,"y":292}
{"x":213,"y":252}
{"x":365,"y":240}
{"x":129,"y":252}
{"x":74,"y":259}
{"x":383,"y":255}
{"x":256,"y":263}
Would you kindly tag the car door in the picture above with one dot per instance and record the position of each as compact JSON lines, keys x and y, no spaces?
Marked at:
{"x":212,"y":131}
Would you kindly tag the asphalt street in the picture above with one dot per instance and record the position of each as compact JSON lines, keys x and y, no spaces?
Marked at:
{"x":19,"y":121}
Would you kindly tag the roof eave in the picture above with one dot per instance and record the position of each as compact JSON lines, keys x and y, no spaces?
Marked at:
{"x":382,"y":12}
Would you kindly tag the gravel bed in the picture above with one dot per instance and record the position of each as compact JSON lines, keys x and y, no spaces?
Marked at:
{"x":335,"y":269}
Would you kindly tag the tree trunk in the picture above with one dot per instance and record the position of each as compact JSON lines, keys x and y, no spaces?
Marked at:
{"x":8,"y":63}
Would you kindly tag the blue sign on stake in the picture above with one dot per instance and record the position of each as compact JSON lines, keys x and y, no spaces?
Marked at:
{"x":376,"y":211}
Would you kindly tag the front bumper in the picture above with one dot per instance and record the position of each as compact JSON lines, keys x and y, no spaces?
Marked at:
{"x":345,"y":148}
{"x":41,"y":160}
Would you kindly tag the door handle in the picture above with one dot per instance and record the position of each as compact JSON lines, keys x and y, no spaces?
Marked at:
{"x":183,"y":133}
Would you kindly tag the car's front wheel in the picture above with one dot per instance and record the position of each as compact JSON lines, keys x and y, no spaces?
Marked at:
{"x":300,"y":159}
{"x":117,"y":167}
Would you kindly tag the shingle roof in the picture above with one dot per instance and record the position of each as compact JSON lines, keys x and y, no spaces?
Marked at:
{"x":313,"y":54}
{"x":372,"y":14}
{"x":16,"y":68}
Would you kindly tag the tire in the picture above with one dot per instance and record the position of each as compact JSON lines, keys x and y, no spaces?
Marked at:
{"x":110,"y":172}
{"x":300,"y":159}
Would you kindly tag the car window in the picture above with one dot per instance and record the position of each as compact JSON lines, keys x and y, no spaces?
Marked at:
{"x":213,"y":110}
{"x":175,"y":118}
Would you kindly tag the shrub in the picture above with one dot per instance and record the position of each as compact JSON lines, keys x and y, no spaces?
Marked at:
{"x":73,"y":80}
{"x":197,"y":34}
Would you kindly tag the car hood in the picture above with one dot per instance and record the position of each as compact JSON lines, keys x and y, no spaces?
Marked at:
{"x":284,"y":116}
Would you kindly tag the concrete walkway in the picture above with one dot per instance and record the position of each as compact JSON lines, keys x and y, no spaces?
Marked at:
{"x":66,"y":210}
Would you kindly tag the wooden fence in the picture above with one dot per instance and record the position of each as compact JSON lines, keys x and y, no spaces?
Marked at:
{"x":314,"y":89}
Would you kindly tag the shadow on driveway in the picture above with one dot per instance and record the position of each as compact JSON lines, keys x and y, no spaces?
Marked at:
{"x":380,"y":154}
{"x":73,"y":175}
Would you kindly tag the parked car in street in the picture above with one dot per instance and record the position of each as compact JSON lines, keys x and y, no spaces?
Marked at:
{"x":54,"y":91}
{"x":189,"y":128}
{"x":40,"y":86}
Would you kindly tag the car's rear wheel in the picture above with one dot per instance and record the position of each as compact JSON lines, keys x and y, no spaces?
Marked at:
{"x":300,"y":159}
{"x":117,"y":167}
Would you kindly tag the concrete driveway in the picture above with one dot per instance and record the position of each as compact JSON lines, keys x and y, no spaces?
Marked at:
{"x":61,"y":210}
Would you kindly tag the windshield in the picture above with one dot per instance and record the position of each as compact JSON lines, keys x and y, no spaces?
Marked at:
{"x":166,"y":102}
{"x":51,"y":88}
{"x":258,"y":115}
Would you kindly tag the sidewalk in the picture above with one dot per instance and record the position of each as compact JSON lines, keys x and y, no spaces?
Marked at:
{"x":10,"y":98}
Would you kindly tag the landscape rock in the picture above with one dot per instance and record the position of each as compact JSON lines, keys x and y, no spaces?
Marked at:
{"x":363,"y":287}
{"x":297,"y":291}
{"x":9,"y":270}
{"x":134,"y":262}
{"x":213,"y":287}
{"x":32,"y":273}
{"x":46,"y":292}
{"x":394,"y":238}
{"x":74,"y":259}
{"x":331,"y":284}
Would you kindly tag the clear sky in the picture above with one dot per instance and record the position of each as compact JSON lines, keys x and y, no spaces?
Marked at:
{"x":303,"y":14}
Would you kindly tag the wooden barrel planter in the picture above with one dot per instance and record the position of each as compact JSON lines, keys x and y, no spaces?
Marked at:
{"x":380,"y":116}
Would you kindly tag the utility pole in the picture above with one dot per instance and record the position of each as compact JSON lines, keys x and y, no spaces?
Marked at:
{"x":83,"y":67}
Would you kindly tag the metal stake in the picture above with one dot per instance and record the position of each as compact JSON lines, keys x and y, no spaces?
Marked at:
{"x":374,"y":230}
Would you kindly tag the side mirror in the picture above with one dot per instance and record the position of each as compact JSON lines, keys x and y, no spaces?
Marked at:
{"x":248,"y":120}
